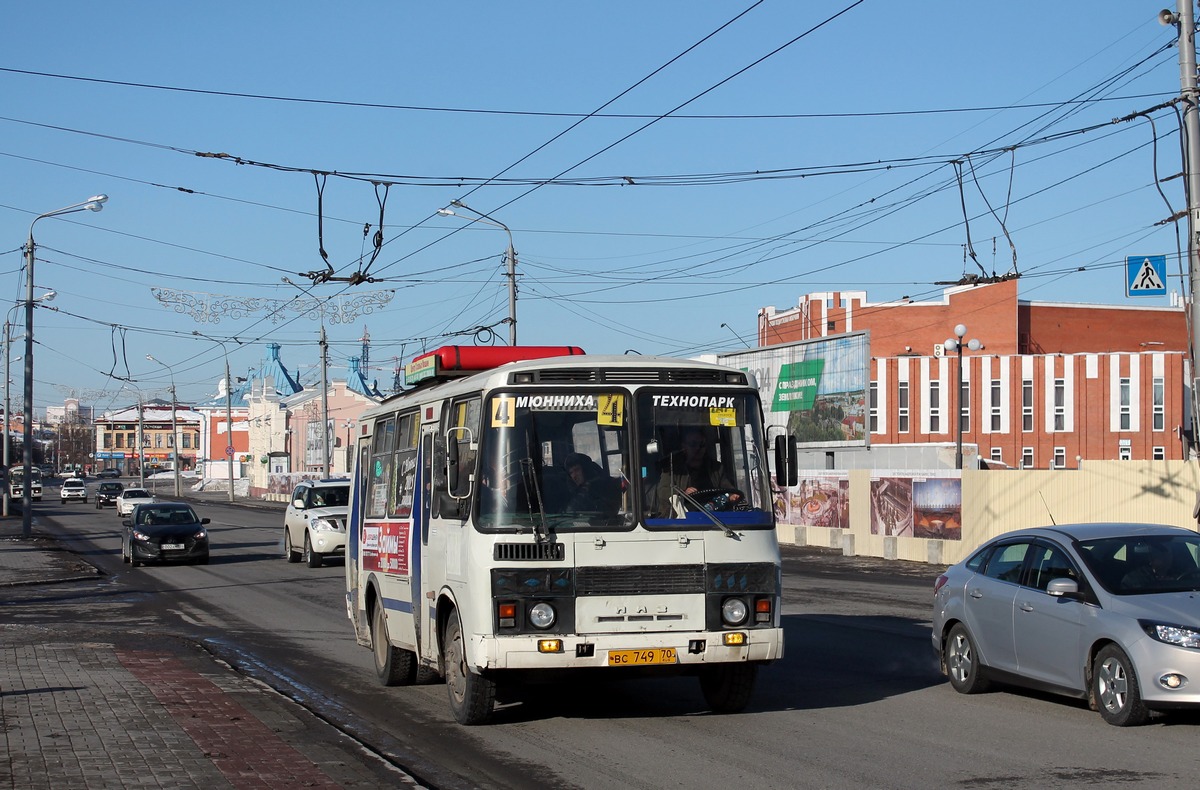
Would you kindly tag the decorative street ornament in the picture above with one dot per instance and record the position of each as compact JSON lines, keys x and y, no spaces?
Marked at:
{"x":211,"y":308}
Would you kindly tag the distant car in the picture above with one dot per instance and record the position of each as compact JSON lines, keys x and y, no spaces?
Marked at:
{"x":106,"y":473}
{"x":315,"y":520}
{"x":165,"y":532}
{"x":73,"y":490}
{"x":130,"y":497}
{"x":107,"y":493}
{"x":1102,"y":612}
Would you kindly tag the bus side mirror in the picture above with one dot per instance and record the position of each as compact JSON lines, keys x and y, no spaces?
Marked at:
{"x":786,"y":473}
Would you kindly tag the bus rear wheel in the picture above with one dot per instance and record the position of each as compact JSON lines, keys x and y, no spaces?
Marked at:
{"x":727,"y":687}
{"x":394,"y":666}
{"x":472,"y":697}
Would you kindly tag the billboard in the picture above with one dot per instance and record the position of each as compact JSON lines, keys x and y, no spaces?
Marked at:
{"x":815,"y":390}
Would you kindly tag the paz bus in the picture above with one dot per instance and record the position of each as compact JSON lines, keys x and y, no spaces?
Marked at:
{"x":524,"y":511}
{"x":16,"y":483}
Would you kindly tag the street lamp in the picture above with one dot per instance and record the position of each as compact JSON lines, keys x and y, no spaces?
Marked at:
{"x":512,"y":261}
{"x":46,"y":297}
{"x":94,"y":203}
{"x":174,"y":424}
{"x":956,"y":344}
{"x":228,"y":410}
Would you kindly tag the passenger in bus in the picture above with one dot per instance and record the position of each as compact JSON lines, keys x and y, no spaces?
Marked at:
{"x":590,"y":489}
{"x":691,"y":469}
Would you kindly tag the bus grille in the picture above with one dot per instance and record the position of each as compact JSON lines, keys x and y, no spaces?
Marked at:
{"x":528,"y":552}
{"x":640,"y":580}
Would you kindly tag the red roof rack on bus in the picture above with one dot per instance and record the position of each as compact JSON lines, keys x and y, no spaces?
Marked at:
{"x":452,"y":361}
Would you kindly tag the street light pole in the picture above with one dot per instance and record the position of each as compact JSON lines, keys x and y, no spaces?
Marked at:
{"x":94,"y":203}
{"x":228,"y":411}
{"x":512,"y":261}
{"x":174,"y":424}
{"x":956,"y":344}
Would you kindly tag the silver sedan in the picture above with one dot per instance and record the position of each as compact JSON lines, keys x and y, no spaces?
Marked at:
{"x":1109,"y":613}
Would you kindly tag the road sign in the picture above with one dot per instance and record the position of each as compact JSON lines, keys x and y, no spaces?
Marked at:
{"x":229,"y":451}
{"x":1146,"y":275}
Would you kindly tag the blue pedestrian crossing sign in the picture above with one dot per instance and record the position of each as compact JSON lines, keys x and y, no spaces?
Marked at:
{"x":1146,"y":275}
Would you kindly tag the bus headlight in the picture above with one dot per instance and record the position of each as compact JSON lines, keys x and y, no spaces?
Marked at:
{"x":541,"y":615}
{"x":734,"y":611}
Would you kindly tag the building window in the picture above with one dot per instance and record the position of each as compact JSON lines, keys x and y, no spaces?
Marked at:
{"x":1159,"y":416}
{"x":1158,"y":453}
{"x":1060,"y":458}
{"x":935,"y":407}
{"x":831,"y":326}
{"x":1026,"y":457}
{"x":964,"y":407}
{"x":998,"y":454}
{"x":1124,"y":453}
{"x":158,"y":440}
{"x":902,"y":412}
{"x":187,"y":441}
{"x":996,"y":405}
{"x":1027,"y":406}
{"x":1060,"y":404}
{"x":1124,"y":400}
{"x":108,"y":440}
{"x":873,"y":416}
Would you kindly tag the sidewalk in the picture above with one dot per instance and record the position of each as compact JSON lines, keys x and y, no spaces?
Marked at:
{"x":85,"y":705}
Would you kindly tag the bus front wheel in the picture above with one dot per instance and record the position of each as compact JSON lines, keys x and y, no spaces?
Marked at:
{"x":472,"y":697}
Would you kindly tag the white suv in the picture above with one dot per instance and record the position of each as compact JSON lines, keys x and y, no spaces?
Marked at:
{"x":73,"y":490}
{"x":315,"y":521}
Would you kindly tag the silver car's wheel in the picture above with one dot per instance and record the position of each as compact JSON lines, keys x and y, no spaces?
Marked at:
{"x":1115,"y":689}
{"x":961,"y":660}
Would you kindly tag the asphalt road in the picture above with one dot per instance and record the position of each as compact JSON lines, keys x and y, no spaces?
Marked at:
{"x":856,"y":702}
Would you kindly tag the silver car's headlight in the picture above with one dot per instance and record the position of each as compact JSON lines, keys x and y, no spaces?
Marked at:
{"x":1173,"y":634}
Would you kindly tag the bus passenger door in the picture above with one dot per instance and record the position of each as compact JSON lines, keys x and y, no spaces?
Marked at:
{"x":424,"y":604}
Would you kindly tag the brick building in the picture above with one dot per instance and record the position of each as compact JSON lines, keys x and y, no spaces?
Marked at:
{"x":1052,"y":383}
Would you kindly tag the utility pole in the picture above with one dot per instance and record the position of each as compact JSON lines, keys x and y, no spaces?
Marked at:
{"x":325,"y":400}
{"x":1185,"y":22}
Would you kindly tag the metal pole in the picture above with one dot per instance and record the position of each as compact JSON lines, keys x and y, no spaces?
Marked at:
{"x":1191,"y":123}
{"x":325,"y":401}
{"x":141,"y":440}
{"x":7,"y":414}
{"x":512,"y":291}
{"x":958,"y":415}
{"x":94,"y":203}
{"x":175,"y":436}
{"x":27,"y":429}
{"x":229,"y":423}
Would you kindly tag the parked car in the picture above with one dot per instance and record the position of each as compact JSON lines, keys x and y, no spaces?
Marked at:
{"x":315,"y":520}
{"x":111,"y":472}
{"x":130,"y":497}
{"x":164,"y":531}
{"x":107,"y":493}
{"x":73,"y":490}
{"x":1102,"y":612}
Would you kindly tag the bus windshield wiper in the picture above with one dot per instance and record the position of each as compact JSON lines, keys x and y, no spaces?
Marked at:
{"x":729,"y":533}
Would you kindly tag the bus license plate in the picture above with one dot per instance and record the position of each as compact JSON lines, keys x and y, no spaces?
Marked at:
{"x":629,"y":658}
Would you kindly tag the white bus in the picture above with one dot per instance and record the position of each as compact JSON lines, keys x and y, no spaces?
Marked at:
{"x":16,"y":483}
{"x":524,"y":510}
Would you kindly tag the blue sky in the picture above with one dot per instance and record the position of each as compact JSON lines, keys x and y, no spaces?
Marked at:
{"x":647,"y":158}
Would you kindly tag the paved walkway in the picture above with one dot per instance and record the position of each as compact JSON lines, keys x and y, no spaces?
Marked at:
{"x":84,"y":706}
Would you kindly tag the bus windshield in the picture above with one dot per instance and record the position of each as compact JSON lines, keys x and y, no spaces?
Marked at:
{"x":699,"y":460}
{"x":559,"y":461}
{"x":566,"y":461}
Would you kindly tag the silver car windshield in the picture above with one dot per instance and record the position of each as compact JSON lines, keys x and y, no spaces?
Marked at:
{"x":1144,"y":564}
